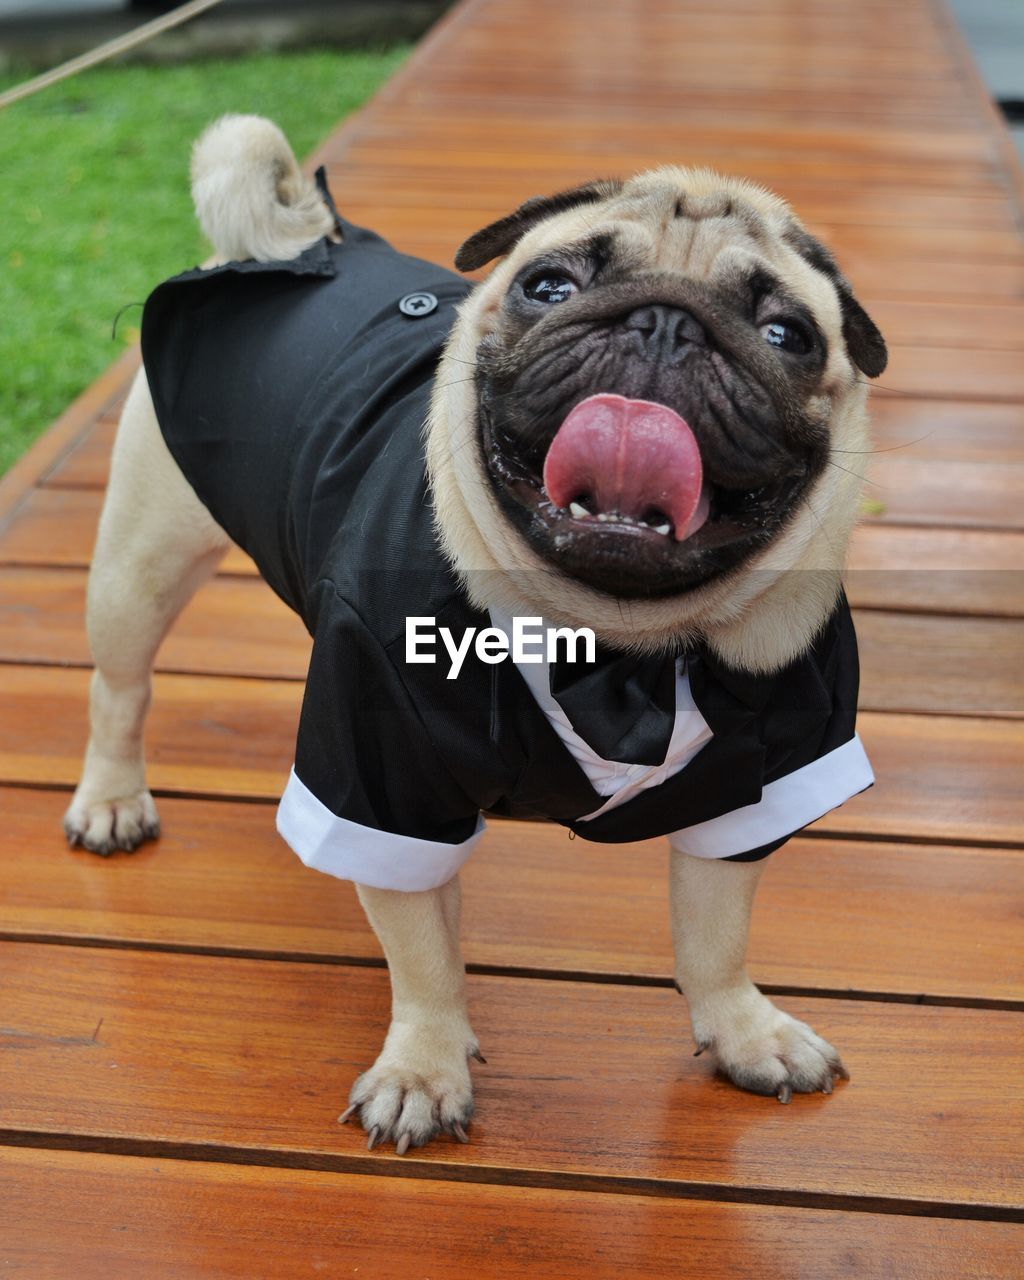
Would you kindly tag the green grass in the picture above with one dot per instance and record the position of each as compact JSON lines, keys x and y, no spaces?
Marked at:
{"x":97,"y":208}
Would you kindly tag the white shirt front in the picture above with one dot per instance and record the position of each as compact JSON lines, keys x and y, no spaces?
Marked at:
{"x":618,"y":781}
{"x":786,"y":805}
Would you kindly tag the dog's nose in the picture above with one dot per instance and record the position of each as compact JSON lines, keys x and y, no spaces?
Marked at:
{"x":663,"y":333}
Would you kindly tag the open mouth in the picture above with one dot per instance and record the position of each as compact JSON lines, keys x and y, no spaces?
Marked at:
{"x":629,"y":462}
{"x":618,"y":497}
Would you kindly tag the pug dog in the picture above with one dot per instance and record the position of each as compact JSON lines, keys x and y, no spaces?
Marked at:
{"x":643,"y":427}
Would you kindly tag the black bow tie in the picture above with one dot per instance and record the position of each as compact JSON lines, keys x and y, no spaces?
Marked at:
{"x":624,"y":706}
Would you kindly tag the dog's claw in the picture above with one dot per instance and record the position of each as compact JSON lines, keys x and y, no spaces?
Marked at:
{"x":402,"y":1145}
{"x":371,"y":1140}
{"x":479,"y":1057}
{"x":785,"y":1092}
{"x":459,"y":1132}
{"x":347,"y":1113}
{"x":827,"y":1086}
{"x":104,"y":828}
{"x":840,"y":1070}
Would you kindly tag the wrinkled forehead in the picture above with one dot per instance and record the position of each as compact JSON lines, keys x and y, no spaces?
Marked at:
{"x":700,"y":224}
{"x":694,"y":224}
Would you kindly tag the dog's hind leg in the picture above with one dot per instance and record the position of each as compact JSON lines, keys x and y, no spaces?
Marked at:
{"x":156,"y":544}
{"x":420,"y":1085}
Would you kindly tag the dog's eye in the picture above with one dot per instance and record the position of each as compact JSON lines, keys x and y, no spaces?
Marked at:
{"x":550,"y":288}
{"x":786,"y":336}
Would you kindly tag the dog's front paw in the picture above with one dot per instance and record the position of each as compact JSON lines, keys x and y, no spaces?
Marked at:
{"x":107,"y":825}
{"x":418,"y":1087}
{"x":762,"y":1049}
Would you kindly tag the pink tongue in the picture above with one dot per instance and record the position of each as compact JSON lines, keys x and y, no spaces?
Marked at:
{"x":631,"y":457}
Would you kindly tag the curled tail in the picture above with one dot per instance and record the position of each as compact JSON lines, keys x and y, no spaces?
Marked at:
{"x":251,"y":198}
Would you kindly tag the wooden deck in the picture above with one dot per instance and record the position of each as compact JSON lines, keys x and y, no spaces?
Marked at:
{"x":179,"y":1028}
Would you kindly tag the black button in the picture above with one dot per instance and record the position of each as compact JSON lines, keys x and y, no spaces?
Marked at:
{"x":417,"y":304}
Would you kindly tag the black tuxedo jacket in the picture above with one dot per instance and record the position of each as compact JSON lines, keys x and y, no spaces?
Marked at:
{"x":293,"y":396}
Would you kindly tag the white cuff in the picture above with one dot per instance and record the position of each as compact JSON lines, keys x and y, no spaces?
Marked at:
{"x":786,"y":805}
{"x":351,"y":851}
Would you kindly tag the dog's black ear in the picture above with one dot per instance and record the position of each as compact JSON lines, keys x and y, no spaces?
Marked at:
{"x":499,"y":237}
{"x":863,"y":339}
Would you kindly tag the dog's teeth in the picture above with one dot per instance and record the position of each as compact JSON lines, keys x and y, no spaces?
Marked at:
{"x":665,"y":528}
{"x":578,"y":510}
{"x":604,"y":517}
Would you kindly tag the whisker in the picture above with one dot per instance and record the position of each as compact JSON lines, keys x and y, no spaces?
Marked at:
{"x":863,"y":479}
{"x":821,"y":527}
{"x":909,"y":444}
{"x":457,"y":382}
{"x":889,"y":391}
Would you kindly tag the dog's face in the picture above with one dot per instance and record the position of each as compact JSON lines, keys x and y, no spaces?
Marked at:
{"x":662,"y":370}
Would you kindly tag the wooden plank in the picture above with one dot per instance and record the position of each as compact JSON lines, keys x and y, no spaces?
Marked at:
{"x":980,"y":495}
{"x":448,"y":130}
{"x":832,"y":915}
{"x":186,"y":1052}
{"x":936,"y":570}
{"x":536,"y":71}
{"x":939,"y":776}
{"x":545,"y":166}
{"x":236,"y":626}
{"x":949,"y":373}
{"x":459,"y":71}
{"x":951,"y":430}
{"x":932,"y":244}
{"x":52,"y":526}
{"x":233,"y":626}
{"x":58,"y":527}
{"x":923,"y":663}
{"x":87,"y":465}
{"x":946,"y":778}
{"x":936,"y":282}
{"x":960,"y":325}
{"x":66,"y":1215}
{"x":76,"y":419}
{"x":706,"y":101}
{"x":911,"y":30}
{"x":622,"y":142}
{"x":205,"y":734}
{"x":873,"y":277}
{"x":866,"y":103}
{"x":497,"y":193}
{"x":991,"y":118}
